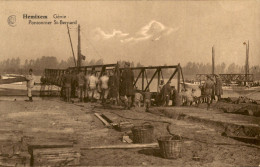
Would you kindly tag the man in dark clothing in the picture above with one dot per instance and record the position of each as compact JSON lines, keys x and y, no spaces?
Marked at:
{"x":166,"y":93}
{"x":113,"y":84}
{"x":208,"y":90}
{"x":218,"y":87}
{"x":73,"y":84}
{"x":67,"y":85}
{"x":176,"y":98}
{"x":80,"y":85}
{"x":127,"y":85}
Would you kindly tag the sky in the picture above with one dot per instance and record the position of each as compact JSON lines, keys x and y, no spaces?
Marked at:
{"x":150,"y":32}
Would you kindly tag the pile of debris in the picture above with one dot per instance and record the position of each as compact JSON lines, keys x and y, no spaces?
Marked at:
{"x":239,"y":100}
{"x":241,"y":105}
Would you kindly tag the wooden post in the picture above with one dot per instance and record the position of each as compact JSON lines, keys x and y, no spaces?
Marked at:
{"x":143,"y":79}
{"x":213,"y":60}
{"x":71,"y":46}
{"x":79,"y":49}
{"x":182,"y":78}
{"x":247,"y":61}
{"x":178,"y":79}
{"x":159,"y":77}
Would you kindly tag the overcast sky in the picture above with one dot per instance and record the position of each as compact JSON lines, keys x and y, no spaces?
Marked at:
{"x":152,"y":32}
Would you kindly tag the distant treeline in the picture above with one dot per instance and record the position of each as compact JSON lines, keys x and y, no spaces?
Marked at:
{"x":14,"y":65}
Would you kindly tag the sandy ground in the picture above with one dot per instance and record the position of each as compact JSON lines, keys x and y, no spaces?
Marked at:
{"x":52,"y":120}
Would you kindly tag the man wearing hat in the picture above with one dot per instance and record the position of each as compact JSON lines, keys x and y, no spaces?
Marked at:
{"x":30,"y":84}
{"x":208,"y":89}
{"x":127,"y":85}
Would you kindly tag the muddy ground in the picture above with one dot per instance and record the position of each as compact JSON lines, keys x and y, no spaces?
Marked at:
{"x":51,"y":120}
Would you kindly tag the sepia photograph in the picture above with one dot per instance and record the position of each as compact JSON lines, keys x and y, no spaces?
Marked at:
{"x":130,"y":83}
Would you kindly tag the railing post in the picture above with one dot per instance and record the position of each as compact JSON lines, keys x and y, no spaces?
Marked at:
{"x":159,"y":77}
{"x":178,"y":79}
{"x":143,"y":79}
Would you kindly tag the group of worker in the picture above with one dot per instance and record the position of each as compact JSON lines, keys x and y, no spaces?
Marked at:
{"x":110,"y":87}
{"x":207,"y":93}
{"x":212,"y":88}
{"x":120,"y":89}
{"x":166,"y":92}
{"x":88,"y":87}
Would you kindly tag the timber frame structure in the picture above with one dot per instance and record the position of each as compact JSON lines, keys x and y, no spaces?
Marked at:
{"x":54,"y":76}
{"x":229,"y":78}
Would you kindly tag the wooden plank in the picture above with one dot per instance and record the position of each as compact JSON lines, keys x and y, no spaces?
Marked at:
{"x":123,"y":146}
{"x":50,"y":145}
{"x":101,"y":119}
{"x":127,"y":139}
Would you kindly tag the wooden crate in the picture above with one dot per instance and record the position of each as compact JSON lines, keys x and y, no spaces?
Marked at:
{"x":55,"y":157}
{"x":124,"y":126}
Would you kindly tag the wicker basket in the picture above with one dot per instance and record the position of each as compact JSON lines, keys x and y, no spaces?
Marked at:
{"x":143,"y":133}
{"x":170,"y":146}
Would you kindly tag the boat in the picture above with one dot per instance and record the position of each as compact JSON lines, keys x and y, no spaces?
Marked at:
{"x":12,"y":79}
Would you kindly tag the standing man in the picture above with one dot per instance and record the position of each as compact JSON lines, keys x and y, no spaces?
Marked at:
{"x":218,"y":87}
{"x":159,"y":93}
{"x":92,"y":85}
{"x":127,"y":85}
{"x":30,"y":84}
{"x":166,"y":93}
{"x":113,"y":84}
{"x":208,"y":90}
{"x":80,"y":85}
{"x":176,"y":98}
{"x":104,"y":86}
{"x":67,"y":79}
{"x":86,"y":86}
{"x":73,"y":83}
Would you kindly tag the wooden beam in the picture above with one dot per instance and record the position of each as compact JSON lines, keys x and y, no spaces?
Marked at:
{"x":173,"y":74}
{"x":143,"y":79}
{"x":123,"y":146}
{"x":151,"y":80}
{"x":159,"y":78}
{"x":152,"y":67}
{"x":178,"y":79}
{"x":137,"y":77}
{"x":102,"y":119}
{"x":182,"y":78}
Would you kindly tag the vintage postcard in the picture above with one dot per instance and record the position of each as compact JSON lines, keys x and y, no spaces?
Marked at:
{"x":130,"y":83}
